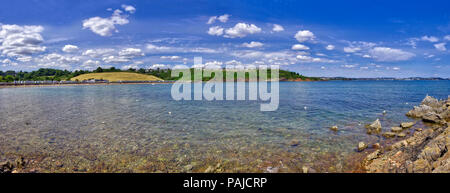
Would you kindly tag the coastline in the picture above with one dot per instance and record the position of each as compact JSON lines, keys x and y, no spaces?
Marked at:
{"x":426,"y":151}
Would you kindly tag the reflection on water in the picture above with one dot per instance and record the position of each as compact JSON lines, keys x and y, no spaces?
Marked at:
{"x":128,"y":128}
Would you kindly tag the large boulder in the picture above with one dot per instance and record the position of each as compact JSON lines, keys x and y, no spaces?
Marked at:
{"x":431,"y":117}
{"x":419,"y":111}
{"x":431,"y":102}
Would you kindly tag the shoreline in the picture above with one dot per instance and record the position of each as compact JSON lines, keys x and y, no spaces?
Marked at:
{"x":426,"y":151}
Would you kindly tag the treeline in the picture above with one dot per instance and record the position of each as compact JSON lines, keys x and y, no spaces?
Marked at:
{"x":47,"y":74}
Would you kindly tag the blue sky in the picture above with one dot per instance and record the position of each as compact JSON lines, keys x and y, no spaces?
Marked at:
{"x":315,"y":38}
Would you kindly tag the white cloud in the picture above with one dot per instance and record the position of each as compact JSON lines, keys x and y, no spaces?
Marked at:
{"x":390,"y":54}
{"x":241,"y":30}
{"x":215,"y":31}
{"x":6,"y":61}
{"x":304,"y":35}
{"x":129,"y":8}
{"x":70,"y":48}
{"x":165,"y":49}
{"x":170,"y":57}
{"x":300,"y":47}
{"x":253,"y":44}
{"x":330,"y":47}
{"x":349,"y":65}
{"x":156,"y":66}
{"x":447,"y":37}
{"x":223,"y":18}
{"x":233,"y":62}
{"x":126,"y":67}
{"x":18,"y":40}
{"x":106,"y":26}
{"x":56,"y":60}
{"x":131,"y":52}
{"x":98,"y":53}
{"x":366,"y":56}
{"x":116,"y":59}
{"x":90,"y":64}
{"x":24,"y":58}
{"x":440,"y":46}
{"x":429,"y":38}
{"x":277,"y":28}
{"x":395,"y":68}
{"x":213,"y":65}
{"x":351,"y":49}
{"x":156,"y":48}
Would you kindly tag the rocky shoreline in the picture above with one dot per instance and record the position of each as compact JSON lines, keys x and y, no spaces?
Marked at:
{"x":426,"y":151}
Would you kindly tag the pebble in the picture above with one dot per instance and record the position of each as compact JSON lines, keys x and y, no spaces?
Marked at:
{"x":362,"y":146}
{"x":334,"y":128}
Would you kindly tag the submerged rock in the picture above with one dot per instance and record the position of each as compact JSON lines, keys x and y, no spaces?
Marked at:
{"x":294,"y":142}
{"x":334,"y":128}
{"x":362,"y":146}
{"x":375,"y":127}
{"x":407,"y":125}
{"x":376,"y":146}
{"x":396,"y":129}
{"x":401,"y":135}
{"x":389,"y":134}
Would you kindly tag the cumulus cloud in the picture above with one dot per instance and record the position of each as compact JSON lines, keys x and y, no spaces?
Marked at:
{"x":277,"y":28}
{"x":241,"y":30}
{"x":215,"y":31}
{"x":223,"y":18}
{"x":156,"y":66}
{"x":170,"y":57}
{"x":300,"y":47}
{"x":57,"y":60}
{"x":70,"y":48}
{"x":128,"y":8}
{"x":390,"y":54}
{"x":18,"y":40}
{"x":440,"y":46}
{"x":98,"y":53}
{"x":131,"y":52}
{"x":351,"y":49}
{"x":116,"y":59}
{"x":447,"y":37}
{"x":305,"y":35}
{"x":330,"y":47}
{"x":106,"y":26}
{"x":165,"y":49}
{"x":90,"y":64}
{"x":429,"y":38}
{"x":253,"y":44}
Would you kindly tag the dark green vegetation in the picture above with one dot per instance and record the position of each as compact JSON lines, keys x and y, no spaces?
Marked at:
{"x":46,"y":74}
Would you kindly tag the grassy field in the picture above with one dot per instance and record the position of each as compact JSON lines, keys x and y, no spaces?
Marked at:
{"x":116,"y":76}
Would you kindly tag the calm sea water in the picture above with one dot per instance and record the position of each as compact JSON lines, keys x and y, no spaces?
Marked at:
{"x":128,"y":128}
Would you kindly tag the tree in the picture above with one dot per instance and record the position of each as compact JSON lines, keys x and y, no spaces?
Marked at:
{"x":9,"y":78}
{"x":1,"y":78}
{"x":98,"y":70}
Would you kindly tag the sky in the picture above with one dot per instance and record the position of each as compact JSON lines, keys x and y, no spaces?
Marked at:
{"x":315,"y":38}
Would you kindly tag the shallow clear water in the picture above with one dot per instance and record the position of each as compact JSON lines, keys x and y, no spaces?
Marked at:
{"x":128,"y":128}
